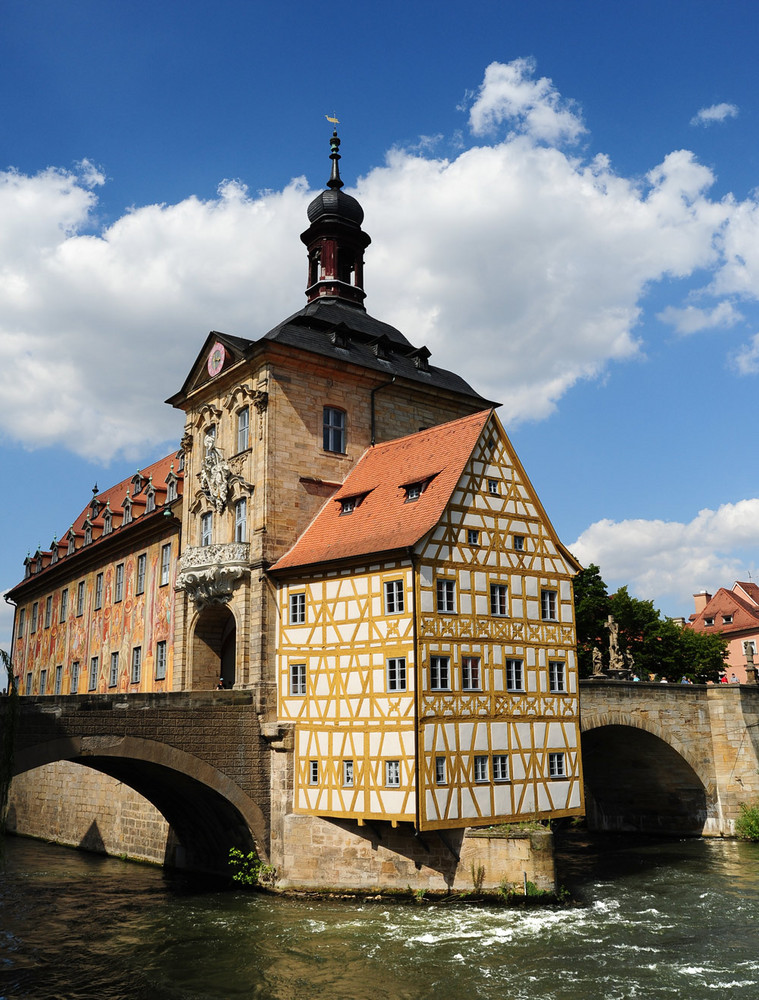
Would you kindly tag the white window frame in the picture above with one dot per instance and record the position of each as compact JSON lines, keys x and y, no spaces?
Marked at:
{"x":348,"y":774}
{"x":74,"y":682}
{"x":136,"y":673}
{"x":160,"y":660}
{"x":21,"y":623}
{"x":499,"y":600}
{"x":297,"y":606}
{"x":142,"y":569}
{"x":392,"y":774}
{"x":98,"y":591}
{"x":243,"y":429}
{"x":549,"y":605}
{"x":471,"y":673}
{"x":58,"y":678}
{"x":514,"y":675}
{"x":441,"y":771}
{"x":394,"y":604}
{"x":557,"y":765}
{"x":501,"y":767}
{"x":64,"y":605}
{"x":241,"y":520}
{"x":481,"y":769}
{"x":518,"y":543}
{"x":298,"y":682}
{"x":43,"y":681}
{"x":334,"y":437}
{"x":440,"y":673}
{"x":80,"y":592}
{"x":206,"y":529}
{"x":35,"y":616}
{"x":92,"y":680}
{"x":395,"y":673}
{"x":445,"y":592}
{"x":48,"y":610}
{"x":118,"y":584}
{"x":472,"y":536}
{"x":165,"y":564}
{"x":113,"y":676}
{"x":557,"y":677}
{"x":313,"y":772}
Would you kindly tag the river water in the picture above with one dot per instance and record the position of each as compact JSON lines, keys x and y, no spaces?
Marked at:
{"x":651,"y":920}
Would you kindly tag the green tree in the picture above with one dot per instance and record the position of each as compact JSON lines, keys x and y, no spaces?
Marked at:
{"x":591,"y":611}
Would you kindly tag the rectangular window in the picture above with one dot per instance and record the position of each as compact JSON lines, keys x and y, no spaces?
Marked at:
{"x":556,"y":767}
{"x":98,"y":591}
{"x":48,"y":610}
{"x":113,"y":678}
{"x":64,"y":604}
{"x":118,"y":587}
{"x":473,"y":536}
{"x":548,"y":605}
{"x":206,"y":528}
{"x":446,"y":597}
{"x":21,"y":620}
{"x":440,"y":674}
{"x":348,"y":773}
{"x":334,"y":430}
{"x":297,"y":609}
{"x":514,"y":675}
{"x":500,"y":767}
{"x":243,"y":427}
{"x":74,"y":686}
{"x":313,"y":772}
{"x":393,"y":597}
{"x":470,"y":673}
{"x":440,"y":778}
{"x":480,"y":768}
{"x":297,"y":679}
{"x":35,"y":615}
{"x":93,"y":679}
{"x":80,"y":599}
{"x":142,"y":563}
{"x":396,"y":673}
{"x":241,"y":520}
{"x":165,"y":564}
{"x":519,"y":543}
{"x":43,"y":681}
{"x":556,"y":680}
{"x":392,"y":773}
{"x":58,"y":678}
{"x":136,"y":664}
{"x":160,"y":660}
{"x":28,"y":686}
{"x":499,"y":606}
{"x":492,"y":486}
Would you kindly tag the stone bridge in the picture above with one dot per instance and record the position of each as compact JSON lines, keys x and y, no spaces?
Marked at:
{"x":669,"y":758}
{"x":200,"y":758}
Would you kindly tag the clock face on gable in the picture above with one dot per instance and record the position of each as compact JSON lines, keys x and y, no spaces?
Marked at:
{"x":216,"y":358}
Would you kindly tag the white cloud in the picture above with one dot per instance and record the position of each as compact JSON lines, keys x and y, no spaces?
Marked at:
{"x":714,"y":113}
{"x":668,"y":561}
{"x":537,"y":260}
{"x":746,"y":359}
{"x":509,"y":93}
{"x":691,"y":319}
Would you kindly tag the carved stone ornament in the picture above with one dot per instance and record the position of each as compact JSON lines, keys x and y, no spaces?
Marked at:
{"x":215,"y":475}
{"x":210,"y":573}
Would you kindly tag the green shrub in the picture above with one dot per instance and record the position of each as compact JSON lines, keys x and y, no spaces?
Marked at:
{"x":747,"y":824}
{"x":248,"y":869}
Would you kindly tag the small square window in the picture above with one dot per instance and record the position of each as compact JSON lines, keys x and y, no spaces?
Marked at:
{"x":396,"y":673}
{"x":514,"y":675}
{"x":519,"y":543}
{"x":392,"y":773}
{"x":440,"y":774}
{"x":480,"y":768}
{"x":499,"y":603}
{"x":470,"y":673}
{"x":556,"y":678}
{"x":348,"y":505}
{"x":297,"y":609}
{"x":440,"y":674}
{"x":393,"y":597}
{"x":727,"y":619}
{"x":413,"y":492}
{"x":548,"y":605}
{"x":313,"y":772}
{"x":297,"y":679}
{"x":708,"y":621}
{"x":473,"y":536}
{"x":556,"y":765}
{"x":493,"y":486}
{"x":348,"y":773}
{"x":446,"y":597}
{"x":500,"y":767}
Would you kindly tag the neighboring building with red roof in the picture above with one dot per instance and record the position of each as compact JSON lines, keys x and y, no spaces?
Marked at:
{"x":735,"y":615}
{"x":351,"y":536}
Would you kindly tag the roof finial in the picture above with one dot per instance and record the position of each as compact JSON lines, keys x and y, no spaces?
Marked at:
{"x":95,"y":490}
{"x":334,"y":155}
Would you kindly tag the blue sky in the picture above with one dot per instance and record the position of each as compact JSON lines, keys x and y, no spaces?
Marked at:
{"x":563,"y":203}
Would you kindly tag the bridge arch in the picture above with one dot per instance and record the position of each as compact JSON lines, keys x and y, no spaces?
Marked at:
{"x":207,"y":811}
{"x":639,"y":778}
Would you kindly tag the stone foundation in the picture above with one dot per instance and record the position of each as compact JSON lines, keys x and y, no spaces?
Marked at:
{"x":75,"y":805}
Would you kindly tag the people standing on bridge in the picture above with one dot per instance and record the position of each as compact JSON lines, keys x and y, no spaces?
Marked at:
{"x":220,"y":685}
{"x":734,"y":679}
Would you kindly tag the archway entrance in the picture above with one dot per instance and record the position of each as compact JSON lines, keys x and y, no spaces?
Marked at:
{"x":214,"y":649}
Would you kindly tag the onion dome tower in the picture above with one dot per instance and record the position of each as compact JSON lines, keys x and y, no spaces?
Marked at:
{"x":335,"y":241}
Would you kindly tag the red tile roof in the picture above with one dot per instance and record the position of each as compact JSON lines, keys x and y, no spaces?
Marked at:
{"x":745,"y":614}
{"x":384,"y":520}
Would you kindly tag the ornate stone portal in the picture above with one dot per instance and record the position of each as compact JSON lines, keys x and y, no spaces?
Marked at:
{"x":210,"y":573}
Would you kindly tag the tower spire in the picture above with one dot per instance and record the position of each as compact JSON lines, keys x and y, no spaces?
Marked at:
{"x":335,"y":181}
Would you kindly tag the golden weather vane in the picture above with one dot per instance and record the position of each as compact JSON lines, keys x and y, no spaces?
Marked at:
{"x":333,"y":119}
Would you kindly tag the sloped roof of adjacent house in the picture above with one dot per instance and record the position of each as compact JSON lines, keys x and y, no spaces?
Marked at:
{"x":383,"y":519}
{"x":730,"y":611}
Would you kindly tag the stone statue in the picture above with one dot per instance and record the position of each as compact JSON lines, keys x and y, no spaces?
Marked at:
{"x":214,"y":474}
{"x":598,"y":666}
{"x":616,"y":661}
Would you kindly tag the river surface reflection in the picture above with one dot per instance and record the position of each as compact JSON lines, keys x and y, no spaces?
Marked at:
{"x":652,"y":920}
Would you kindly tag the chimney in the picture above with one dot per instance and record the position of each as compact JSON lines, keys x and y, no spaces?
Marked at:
{"x":701,"y":599}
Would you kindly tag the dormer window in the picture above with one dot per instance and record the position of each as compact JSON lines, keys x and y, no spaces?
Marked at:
{"x":107,"y":521}
{"x":708,"y":621}
{"x":39,"y":563}
{"x":127,"y":505}
{"x":413,"y":491}
{"x":27,"y":568}
{"x":95,"y":507}
{"x":171,"y":479}
{"x":70,"y":547}
{"x":339,"y":337}
{"x":421,"y":359}
{"x":54,"y":552}
{"x":138,"y":481}
{"x":150,"y":499}
{"x":727,"y":619}
{"x":87,"y":533}
{"x":348,"y":505}
{"x":180,"y":462}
